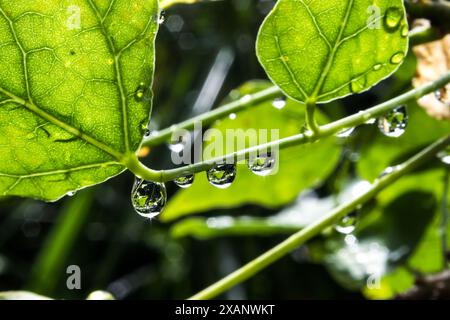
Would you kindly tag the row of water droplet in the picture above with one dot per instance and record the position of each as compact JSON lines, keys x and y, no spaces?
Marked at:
{"x":149,"y":198}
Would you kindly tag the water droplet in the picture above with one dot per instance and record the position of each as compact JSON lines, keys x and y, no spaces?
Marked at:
{"x":262,"y":165}
{"x":394,"y":123}
{"x":358,"y":84}
{"x":232,"y":116}
{"x":176,"y":147}
{"x":443,"y":96}
{"x":222,"y":175}
{"x":148,"y":198}
{"x":388,"y":171}
{"x":377,"y":67}
{"x":71,"y":193}
{"x":279,"y":103}
{"x":184,"y":181}
{"x":444,"y":156}
{"x":345,"y":133}
{"x":147,"y":133}
{"x":397,"y":58}
{"x":162,"y":17}
{"x":347,"y":224}
{"x":393,"y":17}
{"x":140,"y":92}
{"x":405,"y":31}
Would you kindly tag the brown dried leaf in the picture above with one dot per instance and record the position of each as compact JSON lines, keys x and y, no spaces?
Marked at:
{"x":433,"y":62}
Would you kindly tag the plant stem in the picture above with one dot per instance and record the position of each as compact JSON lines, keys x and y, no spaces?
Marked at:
{"x":324,"y":131}
{"x":310,"y":118}
{"x":216,"y":114}
{"x":314,"y":229}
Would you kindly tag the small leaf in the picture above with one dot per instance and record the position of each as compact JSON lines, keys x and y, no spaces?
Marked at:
{"x":325,"y":50}
{"x":75,"y":92}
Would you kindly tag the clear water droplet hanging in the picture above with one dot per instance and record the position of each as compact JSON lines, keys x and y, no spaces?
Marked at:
{"x":148,"y":198}
{"x":222,"y":175}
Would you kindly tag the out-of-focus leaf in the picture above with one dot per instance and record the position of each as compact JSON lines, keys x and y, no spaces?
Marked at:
{"x":51,"y":261}
{"x":306,"y":209}
{"x":299,"y":167}
{"x":326,"y":50}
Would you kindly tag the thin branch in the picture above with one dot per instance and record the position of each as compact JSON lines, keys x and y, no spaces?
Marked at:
{"x":314,"y":229}
{"x":325,"y":131}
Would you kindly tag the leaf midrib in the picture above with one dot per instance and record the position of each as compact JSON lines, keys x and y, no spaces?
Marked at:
{"x":332,"y":53}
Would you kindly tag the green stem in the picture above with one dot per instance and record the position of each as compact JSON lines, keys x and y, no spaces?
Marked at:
{"x":310,"y":118}
{"x":325,"y":131}
{"x":314,"y":229}
{"x":216,"y":114}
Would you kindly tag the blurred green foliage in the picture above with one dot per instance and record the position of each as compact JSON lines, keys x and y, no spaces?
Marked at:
{"x":121,"y":253}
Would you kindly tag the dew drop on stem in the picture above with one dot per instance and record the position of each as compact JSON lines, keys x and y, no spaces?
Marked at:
{"x":148,"y":198}
{"x":222,"y":175}
{"x":444,"y":156}
{"x":262,"y":165}
{"x":279,"y":103}
{"x":443,"y":96}
{"x":347,"y":224}
{"x":345,"y":133}
{"x":184,"y":181}
{"x":394,"y":123}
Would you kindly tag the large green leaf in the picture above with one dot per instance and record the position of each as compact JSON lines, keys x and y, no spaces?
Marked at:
{"x":324,"y":50}
{"x":299,"y":168}
{"x":75,"y":95}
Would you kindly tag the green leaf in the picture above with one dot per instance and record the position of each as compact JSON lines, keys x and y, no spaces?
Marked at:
{"x":325,"y":50}
{"x":299,"y":167}
{"x":75,"y":92}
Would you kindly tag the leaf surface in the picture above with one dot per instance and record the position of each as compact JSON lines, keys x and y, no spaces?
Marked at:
{"x":75,"y":97}
{"x":325,"y":50}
